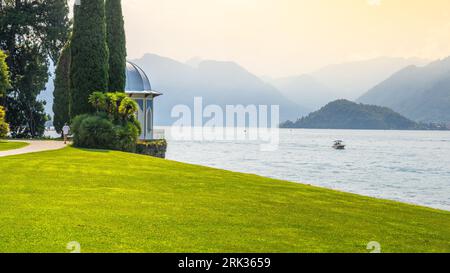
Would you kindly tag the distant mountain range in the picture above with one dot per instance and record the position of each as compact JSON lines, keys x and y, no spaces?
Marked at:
{"x":305,"y":90}
{"x":353,"y":79}
{"x":219,"y":83}
{"x":419,"y":93}
{"x":344,"y":81}
{"x":344,"y":114}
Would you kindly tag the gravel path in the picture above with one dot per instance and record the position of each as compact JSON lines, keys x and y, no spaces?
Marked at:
{"x":35,"y":146}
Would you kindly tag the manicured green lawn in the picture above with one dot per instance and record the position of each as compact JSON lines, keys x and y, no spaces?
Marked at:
{"x":118,"y":202}
{"x":6,"y":145}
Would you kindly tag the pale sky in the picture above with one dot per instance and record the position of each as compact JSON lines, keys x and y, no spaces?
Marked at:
{"x":287,"y":37}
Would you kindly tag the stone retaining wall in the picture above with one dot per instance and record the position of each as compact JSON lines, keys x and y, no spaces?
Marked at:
{"x":155,"y":148}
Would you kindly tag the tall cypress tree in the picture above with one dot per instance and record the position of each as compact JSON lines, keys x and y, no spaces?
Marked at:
{"x":89,"y":65}
{"x":117,"y":45}
{"x":61,"y":94}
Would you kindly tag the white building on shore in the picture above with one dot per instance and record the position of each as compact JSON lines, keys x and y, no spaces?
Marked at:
{"x":138,"y":87}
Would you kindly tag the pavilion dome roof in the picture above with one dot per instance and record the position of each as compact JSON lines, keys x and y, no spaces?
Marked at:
{"x":137,"y":81}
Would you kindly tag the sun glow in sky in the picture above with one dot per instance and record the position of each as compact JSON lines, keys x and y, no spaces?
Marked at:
{"x":287,"y":37}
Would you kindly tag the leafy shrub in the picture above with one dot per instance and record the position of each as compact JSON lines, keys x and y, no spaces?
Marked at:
{"x":114,"y":126}
{"x":100,"y":132}
{"x":126,"y":137}
{"x":117,"y":105}
{"x":93,"y":131}
{"x":4,"y":127}
{"x":76,"y":123}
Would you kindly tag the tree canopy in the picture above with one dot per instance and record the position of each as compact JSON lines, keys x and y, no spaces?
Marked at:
{"x":89,"y":51}
{"x":117,"y":45}
{"x":61,"y":94}
{"x":31,"y":33}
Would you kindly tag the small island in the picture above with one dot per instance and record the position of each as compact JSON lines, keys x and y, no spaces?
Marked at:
{"x":344,"y":114}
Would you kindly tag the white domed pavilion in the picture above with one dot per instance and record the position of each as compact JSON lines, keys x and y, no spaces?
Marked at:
{"x":138,"y":87}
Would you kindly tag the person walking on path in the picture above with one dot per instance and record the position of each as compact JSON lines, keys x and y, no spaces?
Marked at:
{"x":66,"y":130}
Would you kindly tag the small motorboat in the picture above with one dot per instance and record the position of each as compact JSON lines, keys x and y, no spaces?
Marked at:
{"x":339,"y":145}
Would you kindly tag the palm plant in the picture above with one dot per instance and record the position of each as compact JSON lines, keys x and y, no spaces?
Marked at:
{"x":98,"y":100}
{"x":111,"y":99}
{"x":127,"y":108}
{"x":119,"y":98}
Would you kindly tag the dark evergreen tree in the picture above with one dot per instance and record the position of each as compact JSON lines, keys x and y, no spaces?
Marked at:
{"x":31,"y":33}
{"x":89,"y":51}
{"x":61,"y":94}
{"x":117,"y":45}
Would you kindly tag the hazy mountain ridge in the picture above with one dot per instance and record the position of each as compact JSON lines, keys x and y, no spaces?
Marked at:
{"x":352,"y":79}
{"x":344,"y":114}
{"x":346,"y":80}
{"x":220,"y":83}
{"x":305,"y":90}
{"x":419,"y":93}
{"x":227,"y":83}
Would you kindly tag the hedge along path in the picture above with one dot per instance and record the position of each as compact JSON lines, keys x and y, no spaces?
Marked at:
{"x":34,"y":147}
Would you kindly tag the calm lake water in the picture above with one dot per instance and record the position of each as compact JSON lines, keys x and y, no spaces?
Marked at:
{"x":408,"y":166}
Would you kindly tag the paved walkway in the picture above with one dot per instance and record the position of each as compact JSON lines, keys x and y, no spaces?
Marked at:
{"x":34,"y":147}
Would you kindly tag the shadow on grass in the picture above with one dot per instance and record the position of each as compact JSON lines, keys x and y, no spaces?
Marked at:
{"x":92,"y":150}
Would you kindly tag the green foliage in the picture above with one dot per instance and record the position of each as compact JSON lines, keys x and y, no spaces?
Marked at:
{"x":94,"y":132}
{"x":114,"y":101}
{"x":29,"y":75}
{"x":117,"y":45}
{"x":31,"y":33}
{"x":4,"y":127}
{"x":61,"y":94}
{"x":4,"y":74}
{"x":115,"y":115}
{"x":126,"y":137}
{"x":99,"y":131}
{"x":98,"y":100}
{"x":76,"y":124}
{"x":4,"y":85}
{"x":128,"y":107}
{"x":89,"y":66}
{"x":58,"y":27}
{"x":26,"y":117}
{"x":118,"y":105}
